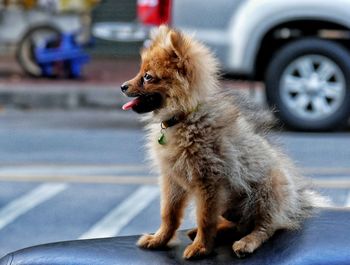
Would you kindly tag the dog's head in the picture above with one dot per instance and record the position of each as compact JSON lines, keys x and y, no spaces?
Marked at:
{"x":174,"y":75}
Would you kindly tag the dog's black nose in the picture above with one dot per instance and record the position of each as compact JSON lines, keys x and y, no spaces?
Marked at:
{"x":124,"y":87}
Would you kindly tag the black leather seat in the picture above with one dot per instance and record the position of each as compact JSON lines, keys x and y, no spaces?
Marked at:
{"x":323,"y":240}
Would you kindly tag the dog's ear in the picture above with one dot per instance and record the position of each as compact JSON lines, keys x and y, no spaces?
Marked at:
{"x":160,"y":33}
{"x":179,"y":47}
{"x":177,"y":43}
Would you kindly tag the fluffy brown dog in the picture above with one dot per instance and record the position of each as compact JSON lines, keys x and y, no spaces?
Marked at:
{"x":207,"y":149}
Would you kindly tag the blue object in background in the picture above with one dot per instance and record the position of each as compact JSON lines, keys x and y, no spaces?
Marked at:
{"x":61,"y":54}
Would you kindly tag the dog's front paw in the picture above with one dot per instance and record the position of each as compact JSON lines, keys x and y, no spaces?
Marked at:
{"x":243,"y":247}
{"x":196,"y":250}
{"x":151,"y":242}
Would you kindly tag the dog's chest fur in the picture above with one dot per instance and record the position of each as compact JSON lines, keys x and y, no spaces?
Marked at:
{"x":193,"y":150}
{"x":181,"y":156}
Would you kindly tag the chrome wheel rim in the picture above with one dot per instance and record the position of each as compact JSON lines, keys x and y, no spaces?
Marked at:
{"x":312,"y":87}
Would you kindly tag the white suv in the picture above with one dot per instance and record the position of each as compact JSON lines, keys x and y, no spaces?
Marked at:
{"x":299,"y":48}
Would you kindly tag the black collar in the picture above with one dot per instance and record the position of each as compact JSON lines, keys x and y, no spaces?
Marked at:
{"x":177,"y":119}
{"x":173,"y":121}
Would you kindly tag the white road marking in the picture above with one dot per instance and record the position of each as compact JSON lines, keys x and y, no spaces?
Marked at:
{"x":122,"y":169}
{"x":28,"y":201}
{"x":64,"y":170}
{"x":326,"y":170}
{"x":347,"y":202}
{"x":332,"y":183}
{"x":120,"y":216}
{"x":96,"y":179}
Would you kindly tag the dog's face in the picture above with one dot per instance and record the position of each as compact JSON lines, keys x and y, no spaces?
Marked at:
{"x":163,"y":82}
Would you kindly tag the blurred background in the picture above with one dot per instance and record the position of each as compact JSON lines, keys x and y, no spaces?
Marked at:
{"x":72,"y":163}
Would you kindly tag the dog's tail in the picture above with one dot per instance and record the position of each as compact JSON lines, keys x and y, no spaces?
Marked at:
{"x":316,"y":199}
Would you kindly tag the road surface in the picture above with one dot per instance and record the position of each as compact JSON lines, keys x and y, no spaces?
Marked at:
{"x":70,"y":175}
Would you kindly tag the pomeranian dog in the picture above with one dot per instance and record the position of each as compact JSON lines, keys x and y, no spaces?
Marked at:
{"x":207,"y":149}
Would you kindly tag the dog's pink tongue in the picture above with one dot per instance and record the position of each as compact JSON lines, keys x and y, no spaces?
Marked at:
{"x":130,"y":104}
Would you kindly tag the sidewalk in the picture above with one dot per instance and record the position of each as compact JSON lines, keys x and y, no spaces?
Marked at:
{"x":98,"y":89}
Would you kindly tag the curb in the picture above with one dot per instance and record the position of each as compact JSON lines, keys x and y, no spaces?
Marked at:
{"x":60,"y":96}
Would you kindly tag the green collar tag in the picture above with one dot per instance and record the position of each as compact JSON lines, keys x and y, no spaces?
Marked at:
{"x":161,"y":139}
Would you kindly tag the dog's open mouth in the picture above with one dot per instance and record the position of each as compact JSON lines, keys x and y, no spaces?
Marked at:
{"x":131,"y":104}
{"x":144,"y":103}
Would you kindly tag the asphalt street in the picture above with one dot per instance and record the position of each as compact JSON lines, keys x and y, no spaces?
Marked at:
{"x":68,"y":175}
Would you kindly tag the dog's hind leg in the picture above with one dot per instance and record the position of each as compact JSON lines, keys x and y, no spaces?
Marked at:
{"x":252,"y":241}
{"x":270,"y":196}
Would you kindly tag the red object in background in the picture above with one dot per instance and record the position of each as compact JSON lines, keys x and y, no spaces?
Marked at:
{"x":154,"y":12}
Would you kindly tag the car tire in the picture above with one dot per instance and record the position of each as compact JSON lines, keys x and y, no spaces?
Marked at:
{"x":25,"y":49}
{"x":308,"y":84}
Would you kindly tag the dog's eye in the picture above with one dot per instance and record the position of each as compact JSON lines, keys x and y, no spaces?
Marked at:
{"x":147,"y":77}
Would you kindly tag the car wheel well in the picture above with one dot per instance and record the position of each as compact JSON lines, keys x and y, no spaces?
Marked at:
{"x":284,"y":33}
